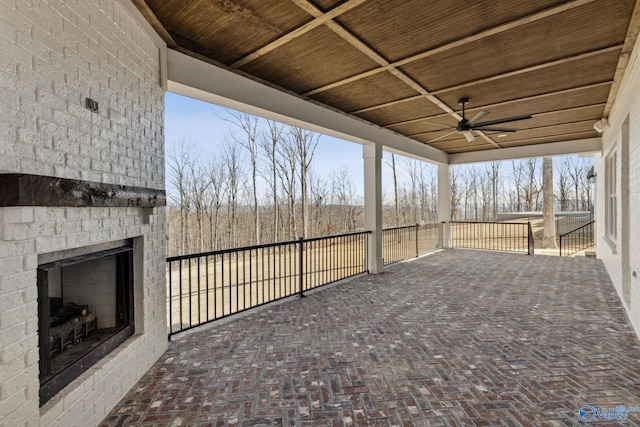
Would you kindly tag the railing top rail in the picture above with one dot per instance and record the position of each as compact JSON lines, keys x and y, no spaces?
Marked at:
{"x":408,"y":226}
{"x":334,"y":236}
{"x":265,"y":245}
{"x":488,"y":222}
{"x":576,"y":229}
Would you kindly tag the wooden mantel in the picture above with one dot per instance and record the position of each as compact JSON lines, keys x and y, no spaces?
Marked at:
{"x":37,"y":190}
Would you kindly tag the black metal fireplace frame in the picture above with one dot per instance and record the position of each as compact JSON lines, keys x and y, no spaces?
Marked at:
{"x":50,"y":385}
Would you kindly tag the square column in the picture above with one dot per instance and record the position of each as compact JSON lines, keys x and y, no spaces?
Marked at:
{"x":372,"y":155}
{"x":444,"y":205}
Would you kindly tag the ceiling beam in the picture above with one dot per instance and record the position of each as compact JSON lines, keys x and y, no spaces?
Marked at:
{"x":152,"y":19}
{"x":457,"y":43}
{"x":320,"y":18}
{"x":358,"y":44}
{"x":511,"y":101}
{"x":530,"y":69}
{"x":494,"y":78}
{"x":623,"y":61}
{"x":387,"y":104}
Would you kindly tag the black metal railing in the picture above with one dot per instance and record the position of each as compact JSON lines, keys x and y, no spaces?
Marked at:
{"x":494,"y":236}
{"x":208,"y":286}
{"x":578,"y":239}
{"x":567,"y":222}
{"x":410,"y":241}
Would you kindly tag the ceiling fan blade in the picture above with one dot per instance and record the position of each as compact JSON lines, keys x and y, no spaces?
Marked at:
{"x":441,"y":136}
{"x":490,"y":129}
{"x":468,"y":135}
{"x":477,"y":118}
{"x":505,"y":120}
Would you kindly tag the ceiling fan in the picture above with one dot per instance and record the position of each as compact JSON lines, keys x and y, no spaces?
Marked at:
{"x":466,"y":126}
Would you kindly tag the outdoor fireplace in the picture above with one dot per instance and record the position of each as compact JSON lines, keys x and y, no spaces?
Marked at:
{"x":85,"y":310}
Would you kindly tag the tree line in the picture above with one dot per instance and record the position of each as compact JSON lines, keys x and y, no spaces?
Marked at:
{"x":262,"y":188}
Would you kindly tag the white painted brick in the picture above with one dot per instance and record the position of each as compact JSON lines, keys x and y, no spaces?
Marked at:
{"x":9,"y":300}
{"x":12,"y":384}
{"x":54,"y":55}
{"x":15,"y":52}
{"x":10,"y":283}
{"x":37,"y":15}
{"x":52,"y":243}
{"x":18,"y":315}
{"x":17,"y":215}
{"x":40,"y":229}
{"x":11,"y":249}
{"x":30,"y":138}
{"x":33,"y":388}
{"x":8,"y":409}
{"x":11,"y":265}
{"x":9,"y":4}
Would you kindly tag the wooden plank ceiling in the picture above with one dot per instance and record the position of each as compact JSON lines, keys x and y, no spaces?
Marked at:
{"x":404,"y":64}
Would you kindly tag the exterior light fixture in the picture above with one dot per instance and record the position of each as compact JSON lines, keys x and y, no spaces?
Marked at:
{"x":601,"y":125}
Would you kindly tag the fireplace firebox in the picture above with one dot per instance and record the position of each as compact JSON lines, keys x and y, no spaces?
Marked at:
{"x":85,"y":310}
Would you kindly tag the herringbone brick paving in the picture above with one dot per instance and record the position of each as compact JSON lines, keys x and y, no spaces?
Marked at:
{"x":457,"y":338}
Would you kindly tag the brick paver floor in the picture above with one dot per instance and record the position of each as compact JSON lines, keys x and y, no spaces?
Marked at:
{"x":455,"y":338}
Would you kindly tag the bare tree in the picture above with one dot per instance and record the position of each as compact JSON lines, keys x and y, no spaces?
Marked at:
{"x":549,"y":232}
{"x":484,"y":183}
{"x":269,"y":144}
{"x":563,"y":190}
{"x":305,"y":143}
{"x":471,"y":193}
{"x":413,"y":170}
{"x":394,"y":174}
{"x":456,"y":193}
{"x":233,"y":163}
{"x":179,"y":161}
{"x":218,"y":189}
{"x":518,"y":180}
{"x":577,"y":176}
{"x":318,"y":192}
{"x":343,"y":194}
{"x":493,"y":173}
{"x":531,"y":189}
{"x":198,"y":188}
{"x":287,"y":171}
{"x":248,"y":125}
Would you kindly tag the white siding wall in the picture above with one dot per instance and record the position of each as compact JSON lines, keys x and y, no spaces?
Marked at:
{"x":626,"y":107}
{"x":54,"y":54}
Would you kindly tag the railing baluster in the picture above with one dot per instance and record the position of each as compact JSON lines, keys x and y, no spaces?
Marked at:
{"x":222,"y":283}
{"x":199,"y":308}
{"x":320,"y":261}
{"x":180,"y":291}
{"x":190,"y":296}
{"x":215,"y":287}
{"x":231,"y":284}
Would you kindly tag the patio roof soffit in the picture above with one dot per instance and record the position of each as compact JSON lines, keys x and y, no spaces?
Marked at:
{"x":397,"y":69}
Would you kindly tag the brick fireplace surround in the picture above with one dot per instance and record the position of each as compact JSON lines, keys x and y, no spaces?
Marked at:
{"x":55,"y":55}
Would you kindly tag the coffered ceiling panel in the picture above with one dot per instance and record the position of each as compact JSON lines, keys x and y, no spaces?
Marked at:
{"x":405,"y":64}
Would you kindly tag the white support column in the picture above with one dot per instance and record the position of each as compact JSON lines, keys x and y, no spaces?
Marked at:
{"x":372,"y":155}
{"x":444,"y":205}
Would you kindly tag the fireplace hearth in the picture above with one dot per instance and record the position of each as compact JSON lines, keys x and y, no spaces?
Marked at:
{"x":85,"y":310}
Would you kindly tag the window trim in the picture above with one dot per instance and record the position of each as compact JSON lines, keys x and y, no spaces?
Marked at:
{"x":611,"y":198}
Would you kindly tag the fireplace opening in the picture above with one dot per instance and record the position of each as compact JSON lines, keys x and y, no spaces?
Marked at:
{"x":85,"y":310}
